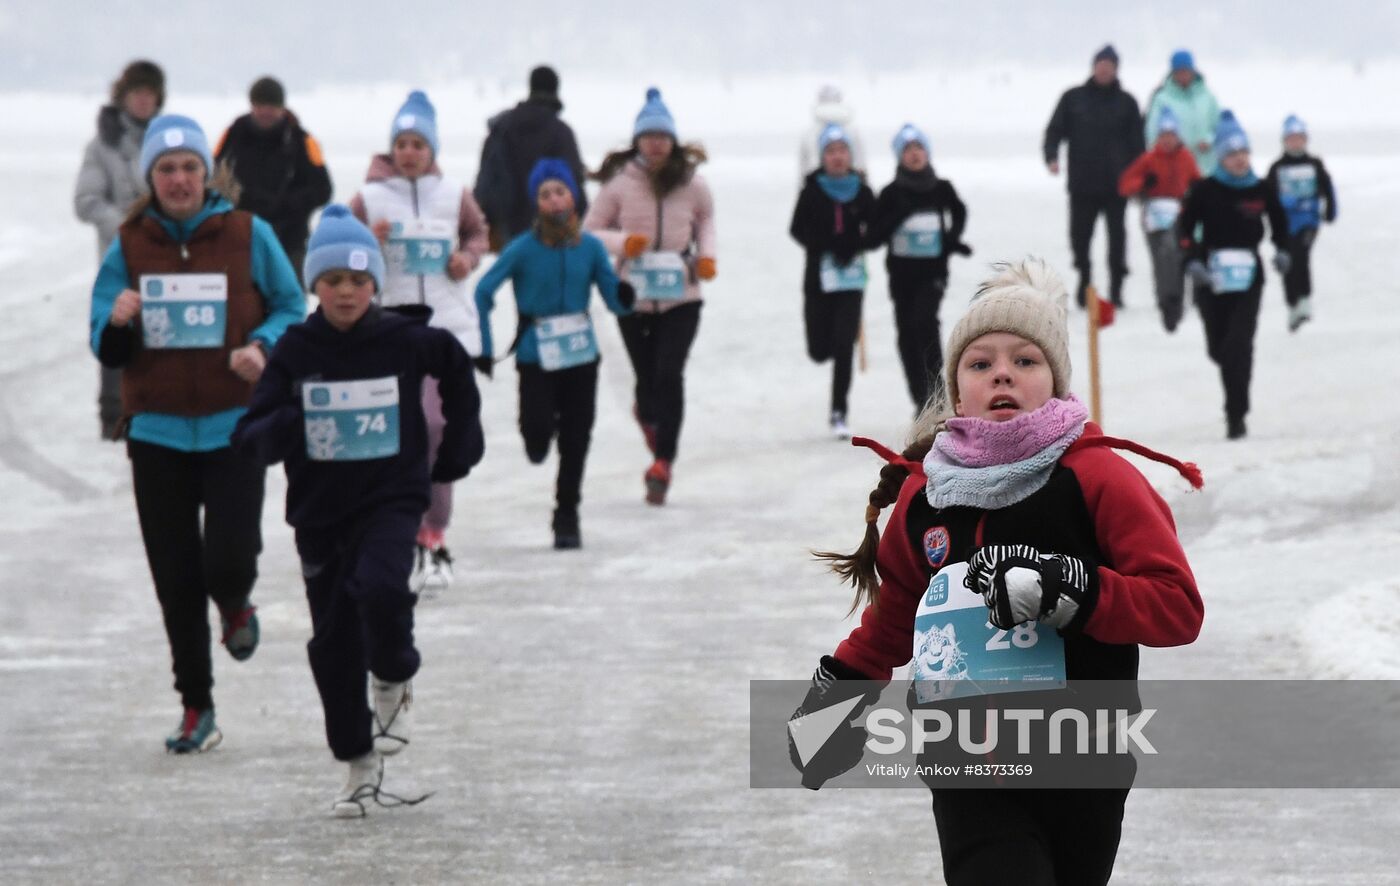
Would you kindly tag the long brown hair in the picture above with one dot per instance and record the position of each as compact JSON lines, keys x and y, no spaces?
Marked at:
{"x":678,"y":169}
{"x":223,"y":181}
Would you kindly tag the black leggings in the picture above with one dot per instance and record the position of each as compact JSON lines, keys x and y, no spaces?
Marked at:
{"x":658,"y":346}
{"x":562,"y":402}
{"x":1297,"y":283}
{"x":833,"y":324}
{"x":916,"y":304}
{"x":1230,"y":320}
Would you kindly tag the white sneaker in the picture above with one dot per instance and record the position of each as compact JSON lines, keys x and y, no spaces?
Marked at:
{"x":437,"y":574}
{"x":422,"y":562}
{"x":839,"y":430}
{"x":391,"y":715}
{"x":366,"y":775}
{"x":1299,"y":314}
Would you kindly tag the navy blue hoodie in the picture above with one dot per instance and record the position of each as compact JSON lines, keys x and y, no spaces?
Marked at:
{"x":384,"y":343}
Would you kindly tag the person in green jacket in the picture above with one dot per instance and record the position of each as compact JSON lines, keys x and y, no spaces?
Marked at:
{"x":1196,"y":109}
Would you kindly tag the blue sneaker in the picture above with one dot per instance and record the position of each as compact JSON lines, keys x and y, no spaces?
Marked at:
{"x":196,"y":732}
{"x":240,"y":630}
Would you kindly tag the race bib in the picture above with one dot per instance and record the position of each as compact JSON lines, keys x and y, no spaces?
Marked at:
{"x":351,"y":420}
{"x":1296,"y":183}
{"x":1232,"y":270}
{"x":183,"y":310}
{"x":565,"y":341}
{"x":958,"y":653}
{"x":1159,"y":214}
{"x":838,"y":279}
{"x":419,"y":245}
{"x":921,"y":236}
{"x":658,"y":275}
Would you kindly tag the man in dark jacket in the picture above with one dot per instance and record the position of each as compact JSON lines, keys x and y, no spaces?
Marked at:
{"x":1101,"y":122}
{"x":279,"y":165}
{"x":515,"y":140}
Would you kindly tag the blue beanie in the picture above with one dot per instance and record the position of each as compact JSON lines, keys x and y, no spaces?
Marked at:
{"x":172,"y":132}
{"x":907,"y":135}
{"x":1294,"y":125}
{"x":1182,"y":61}
{"x":547,"y":168}
{"x":1229,"y":135}
{"x":342,"y":241}
{"x":654,"y":117}
{"x":832,"y":132}
{"x":416,"y":115}
{"x":1167,"y":122}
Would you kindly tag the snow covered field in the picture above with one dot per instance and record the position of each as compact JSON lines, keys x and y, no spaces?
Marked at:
{"x":583,"y":716}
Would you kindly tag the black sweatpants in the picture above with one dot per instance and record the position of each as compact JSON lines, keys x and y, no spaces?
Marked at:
{"x":1084,"y":211}
{"x":833,"y":323}
{"x":658,"y":346}
{"x":1297,"y":283}
{"x":1169,"y":275}
{"x":194,"y":560}
{"x":916,"y":304}
{"x":361,"y":617}
{"x":560,"y":403}
{"x":1230,"y":320}
{"x":990,"y":837}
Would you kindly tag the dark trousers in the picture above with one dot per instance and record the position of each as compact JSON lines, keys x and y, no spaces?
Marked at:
{"x":833,"y":323}
{"x":560,"y":403}
{"x":1297,"y":283}
{"x":192,"y":560}
{"x":916,"y":304}
{"x":1230,"y":320}
{"x":658,"y":346}
{"x":991,"y":837}
{"x":109,"y":400}
{"x":1169,"y":276}
{"x":361,"y":617}
{"x":1084,"y":211}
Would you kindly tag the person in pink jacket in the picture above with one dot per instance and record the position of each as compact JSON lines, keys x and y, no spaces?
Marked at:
{"x":655,"y":213}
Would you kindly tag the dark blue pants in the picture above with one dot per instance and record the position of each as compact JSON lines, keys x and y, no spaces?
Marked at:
{"x":361,"y":617}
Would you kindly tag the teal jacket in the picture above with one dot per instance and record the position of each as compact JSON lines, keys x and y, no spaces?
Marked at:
{"x":275,"y":280}
{"x":1196,"y":111}
{"x":548,"y":280}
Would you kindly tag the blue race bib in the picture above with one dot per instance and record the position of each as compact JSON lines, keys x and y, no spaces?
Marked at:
{"x":351,"y":420}
{"x":419,"y":246}
{"x":1159,"y":214}
{"x":658,"y":275}
{"x":921,"y":236}
{"x":1296,"y":183}
{"x":183,"y":310}
{"x":1232,"y":270}
{"x":565,"y":341}
{"x":958,"y":653}
{"x":839,"y":279}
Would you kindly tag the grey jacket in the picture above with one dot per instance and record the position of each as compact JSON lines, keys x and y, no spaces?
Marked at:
{"x":110,"y":178}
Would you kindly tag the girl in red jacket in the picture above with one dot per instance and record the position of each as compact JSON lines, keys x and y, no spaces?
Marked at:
{"x":1014,"y":496}
{"x":1160,"y":177}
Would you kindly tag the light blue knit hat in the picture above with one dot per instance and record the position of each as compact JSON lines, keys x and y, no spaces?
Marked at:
{"x":417,"y":115}
{"x":1167,"y":122}
{"x":1294,"y":125}
{"x":832,"y":132}
{"x":654,"y":116}
{"x":1229,"y":135}
{"x":908,"y":134}
{"x":342,"y":241}
{"x":172,"y":132}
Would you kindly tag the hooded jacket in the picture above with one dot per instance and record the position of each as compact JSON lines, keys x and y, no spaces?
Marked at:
{"x":1197,"y":113}
{"x":282,"y":172}
{"x":109,"y":181}
{"x":515,"y":140}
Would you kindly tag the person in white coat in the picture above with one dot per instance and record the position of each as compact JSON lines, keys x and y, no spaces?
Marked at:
{"x":830,"y":108}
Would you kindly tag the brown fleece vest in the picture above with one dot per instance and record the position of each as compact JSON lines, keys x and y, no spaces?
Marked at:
{"x":192,"y":381}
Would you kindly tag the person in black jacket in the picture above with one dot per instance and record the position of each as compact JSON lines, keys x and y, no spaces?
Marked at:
{"x":921,"y":218}
{"x":340,"y":403}
{"x":831,"y":221}
{"x":1223,"y":262}
{"x":516,"y":139}
{"x":1305,"y":191}
{"x":279,"y":165}
{"x":1101,"y":122}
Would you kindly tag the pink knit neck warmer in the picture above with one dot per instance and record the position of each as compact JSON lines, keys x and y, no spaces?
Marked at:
{"x":981,"y":442}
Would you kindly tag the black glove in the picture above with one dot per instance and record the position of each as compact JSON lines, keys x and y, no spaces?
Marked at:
{"x":484,"y":365}
{"x":1149,"y":182}
{"x":626,"y":295}
{"x":1019,"y":583}
{"x":960,"y":248}
{"x":1283,"y":261}
{"x":832,"y":683}
{"x":1198,"y":272}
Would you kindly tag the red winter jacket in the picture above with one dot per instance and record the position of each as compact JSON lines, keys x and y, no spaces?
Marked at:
{"x":1097,"y":507}
{"x":1175,"y":171}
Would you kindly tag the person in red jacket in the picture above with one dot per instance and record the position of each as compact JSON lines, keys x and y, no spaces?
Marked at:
{"x":1010,"y":493}
{"x":1161,"y":177}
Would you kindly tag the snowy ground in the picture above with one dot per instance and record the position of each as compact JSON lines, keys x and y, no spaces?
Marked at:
{"x":583,"y":717}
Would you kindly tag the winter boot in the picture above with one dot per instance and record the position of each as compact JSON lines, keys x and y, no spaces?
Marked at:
{"x":437,"y":573}
{"x":567,"y":536}
{"x":839,"y":429}
{"x":1299,"y":314}
{"x":648,"y":429}
{"x":240,"y":630}
{"x":657,"y":479}
{"x":196,"y":733}
{"x":1081,"y":293}
{"x":1234,"y":427}
{"x":1115,"y":290}
{"x":361,"y":788}
{"x":422,"y":564}
{"x":392,"y":702}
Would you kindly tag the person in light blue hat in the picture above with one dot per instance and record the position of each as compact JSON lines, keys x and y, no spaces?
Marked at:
{"x":654,"y":117}
{"x":342,"y":241}
{"x":1184,"y":91}
{"x":173,"y":132}
{"x":416,"y":115}
{"x":1306,"y":192}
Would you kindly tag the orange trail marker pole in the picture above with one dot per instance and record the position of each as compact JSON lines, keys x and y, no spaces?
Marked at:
{"x":1091,"y":300}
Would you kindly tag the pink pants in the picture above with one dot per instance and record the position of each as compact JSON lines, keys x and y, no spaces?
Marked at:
{"x":439,"y":512}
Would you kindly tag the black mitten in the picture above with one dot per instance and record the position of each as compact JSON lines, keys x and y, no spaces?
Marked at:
{"x":832,"y":683}
{"x":484,"y":365}
{"x":626,"y":294}
{"x":961,"y":248}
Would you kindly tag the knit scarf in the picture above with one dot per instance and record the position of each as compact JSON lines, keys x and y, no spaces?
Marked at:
{"x":1238,"y":182}
{"x":554,"y":234}
{"x":920,"y":182}
{"x":980,"y":463}
{"x":842,"y":189}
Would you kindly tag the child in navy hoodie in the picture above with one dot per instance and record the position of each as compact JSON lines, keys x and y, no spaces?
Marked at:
{"x":340,"y":404}
{"x":1305,"y":191}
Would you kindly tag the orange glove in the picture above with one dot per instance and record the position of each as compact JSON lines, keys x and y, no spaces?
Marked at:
{"x":635,"y":245}
{"x":705,"y":268}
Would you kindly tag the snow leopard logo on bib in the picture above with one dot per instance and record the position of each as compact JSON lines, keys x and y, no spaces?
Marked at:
{"x":159,"y":331}
{"x":939,"y":657}
{"x":322,"y":438}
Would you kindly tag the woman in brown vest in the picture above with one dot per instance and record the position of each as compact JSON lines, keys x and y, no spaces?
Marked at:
{"x":189,"y":299}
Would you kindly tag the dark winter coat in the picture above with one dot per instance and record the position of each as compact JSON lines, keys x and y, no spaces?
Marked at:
{"x":515,"y":140}
{"x":822,"y":225}
{"x":903,"y":197}
{"x":1305,"y":210}
{"x":1104,"y":131}
{"x":282,"y":172}
{"x":394,"y":343}
{"x":1229,"y":218}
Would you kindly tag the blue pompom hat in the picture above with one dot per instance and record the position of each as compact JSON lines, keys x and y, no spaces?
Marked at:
{"x":654,"y":117}
{"x":342,"y":241}
{"x":417,"y":115}
{"x":907,"y":135}
{"x":172,"y":132}
{"x":547,"y":168}
{"x":832,"y":132}
{"x":1167,"y":122}
{"x":1294,"y":125}
{"x":1229,"y":135}
{"x":1182,"y":61}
